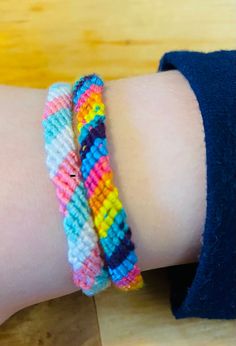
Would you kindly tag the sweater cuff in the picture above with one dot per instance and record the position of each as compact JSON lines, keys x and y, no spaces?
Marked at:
{"x":207,"y":289}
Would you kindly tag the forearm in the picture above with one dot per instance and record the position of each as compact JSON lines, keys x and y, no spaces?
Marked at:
{"x":156,"y":145}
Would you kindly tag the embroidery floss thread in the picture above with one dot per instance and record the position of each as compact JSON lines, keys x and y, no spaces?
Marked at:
{"x":84,"y":253}
{"x":107,"y":211}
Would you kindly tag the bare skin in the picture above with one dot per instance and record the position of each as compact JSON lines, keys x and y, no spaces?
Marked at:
{"x":157,"y":149}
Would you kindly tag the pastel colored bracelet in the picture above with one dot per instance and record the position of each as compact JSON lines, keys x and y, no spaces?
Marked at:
{"x":107,"y":210}
{"x":84,"y":253}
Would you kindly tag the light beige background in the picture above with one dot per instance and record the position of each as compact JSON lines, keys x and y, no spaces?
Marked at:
{"x":46,"y":41}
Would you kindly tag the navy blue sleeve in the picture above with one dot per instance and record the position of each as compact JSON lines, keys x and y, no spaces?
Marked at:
{"x":207,"y":289}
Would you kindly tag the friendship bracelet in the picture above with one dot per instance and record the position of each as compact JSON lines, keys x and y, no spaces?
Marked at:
{"x":84,"y":254}
{"x":107,"y":210}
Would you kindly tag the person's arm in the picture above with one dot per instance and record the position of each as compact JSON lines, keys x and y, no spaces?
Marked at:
{"x":157,"y":150}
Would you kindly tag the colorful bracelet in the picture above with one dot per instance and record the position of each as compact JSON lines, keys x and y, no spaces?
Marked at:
{"x":84,"y":253}
{"x":107,"y":211}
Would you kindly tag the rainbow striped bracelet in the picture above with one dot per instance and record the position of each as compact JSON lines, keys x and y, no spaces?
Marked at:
{"x":107,"y":211}
{"x":84,"y":253}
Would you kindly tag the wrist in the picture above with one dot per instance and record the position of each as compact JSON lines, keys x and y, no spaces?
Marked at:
{"x":156,"y":143}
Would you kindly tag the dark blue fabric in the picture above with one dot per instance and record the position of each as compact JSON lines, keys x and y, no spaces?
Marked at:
{"x":207,"y":289}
